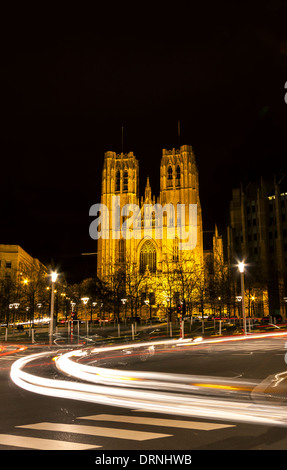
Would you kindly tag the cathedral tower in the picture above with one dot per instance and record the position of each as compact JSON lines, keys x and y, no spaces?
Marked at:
{"x":179,"y":185}
{"x":120,"y":177}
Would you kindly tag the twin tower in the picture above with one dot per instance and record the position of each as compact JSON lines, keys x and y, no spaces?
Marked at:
{"x":147,"y":252}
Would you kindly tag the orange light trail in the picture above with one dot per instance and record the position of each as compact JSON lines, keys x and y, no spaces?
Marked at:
{"x":224,"y":387}
{"x":18,"y":348}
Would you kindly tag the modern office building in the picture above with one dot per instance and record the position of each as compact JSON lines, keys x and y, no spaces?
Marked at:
{"x":257,"y":234}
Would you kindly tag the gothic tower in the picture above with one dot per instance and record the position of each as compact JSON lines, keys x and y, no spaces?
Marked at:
{"x":120,"y":177}
{"x":179,"y":185}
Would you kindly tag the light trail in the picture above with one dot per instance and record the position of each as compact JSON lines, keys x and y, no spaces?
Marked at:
{"x":7,"y":349}
{"x":149,"y":391}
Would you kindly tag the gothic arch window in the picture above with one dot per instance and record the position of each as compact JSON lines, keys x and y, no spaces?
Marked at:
{"x":148,"y":257}
{"x":118,"y":180}
{"x":177,"y":175}
{"x":126,"y":181}
{"x":169,"y":176}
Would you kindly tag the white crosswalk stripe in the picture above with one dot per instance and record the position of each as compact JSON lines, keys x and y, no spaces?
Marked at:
{"x":172,"y":423}
{"x":95,"y":431}
{"x":42,"y":444}
{"x":64,"y":443}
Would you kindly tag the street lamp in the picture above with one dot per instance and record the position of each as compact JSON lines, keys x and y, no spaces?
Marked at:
{"x":219,"y":302}
{"x":85,"y":301}
{"x":241,"y":270}
{"x":54,"y":276}
{"x":253,"y":305}
{"x":124,"y":302}
{"x":15,"y":306}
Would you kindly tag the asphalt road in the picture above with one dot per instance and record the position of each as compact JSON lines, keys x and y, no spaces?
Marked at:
{"x":33,"y":421}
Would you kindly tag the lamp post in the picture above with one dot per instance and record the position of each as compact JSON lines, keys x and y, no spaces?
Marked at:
{"x":16,"y":306}
{"x":124,"y":301}
{"x":241,"y":270}
{"x":253,"y":306}
{"x":54,"y":279}
{"x":85,"y":301}
{"x":39,"y":305}
{"x":73,"y":304}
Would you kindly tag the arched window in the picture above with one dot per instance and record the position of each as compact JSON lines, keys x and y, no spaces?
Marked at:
{"x":169,"y":176}
{"x":126,"y":181}
{"x":177,"y":182}
{"x":148,"y":257}
{"x":118,"y":181}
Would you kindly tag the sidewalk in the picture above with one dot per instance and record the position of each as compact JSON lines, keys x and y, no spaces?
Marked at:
{"x":125,"y":333}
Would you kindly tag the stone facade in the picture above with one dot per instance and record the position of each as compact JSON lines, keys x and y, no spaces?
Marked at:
{"x":148,"y":249}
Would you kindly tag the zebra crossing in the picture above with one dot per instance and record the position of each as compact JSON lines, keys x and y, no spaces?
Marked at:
{"x":63,"y":435}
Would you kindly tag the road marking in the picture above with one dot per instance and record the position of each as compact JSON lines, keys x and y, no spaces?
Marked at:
{"x":42,"y":444}
{"x":96,"y":431}
{"x":174,"y":423}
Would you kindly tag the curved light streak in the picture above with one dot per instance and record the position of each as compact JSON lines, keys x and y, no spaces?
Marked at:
{"x":116,"y":388}
{"x":146,"y":380}
{"x":7,"y":351}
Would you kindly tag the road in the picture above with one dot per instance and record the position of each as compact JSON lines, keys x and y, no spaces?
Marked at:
{"x":35,"y":421}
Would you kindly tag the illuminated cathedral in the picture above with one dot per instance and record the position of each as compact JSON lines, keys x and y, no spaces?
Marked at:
{"x":152,"y":269}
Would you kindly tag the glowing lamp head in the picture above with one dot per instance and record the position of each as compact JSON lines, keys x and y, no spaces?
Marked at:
{"x":85,"y":300}
{"x":54,"y":277}
{"x":241,"y":267}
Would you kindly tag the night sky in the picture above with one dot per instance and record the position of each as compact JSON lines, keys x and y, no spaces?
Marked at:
{"x":71,"y":79}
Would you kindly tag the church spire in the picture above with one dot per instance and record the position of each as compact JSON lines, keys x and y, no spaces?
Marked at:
{"x":147,"y":192}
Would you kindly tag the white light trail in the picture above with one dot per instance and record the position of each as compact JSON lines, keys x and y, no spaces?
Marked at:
{"x":116,"y":388}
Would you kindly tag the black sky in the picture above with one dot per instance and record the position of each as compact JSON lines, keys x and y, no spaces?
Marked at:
{"x":72,"y":78}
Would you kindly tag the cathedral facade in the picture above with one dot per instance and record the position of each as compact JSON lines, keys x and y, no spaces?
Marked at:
{"x":147,"y":249}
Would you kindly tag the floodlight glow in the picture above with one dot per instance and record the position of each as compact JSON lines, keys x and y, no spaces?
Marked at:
{"x":54,"y":277}
{"x":241,"y":267}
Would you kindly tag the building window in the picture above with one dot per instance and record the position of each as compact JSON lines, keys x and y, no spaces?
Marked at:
{"x":175,"y":249}
{"x":169,"y":176}
{"x":126,"y":181}
{"x":8,"y":264}
{"x":148,"y":257}
{"x":118,"y":181}
{"x":177,"y":182}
